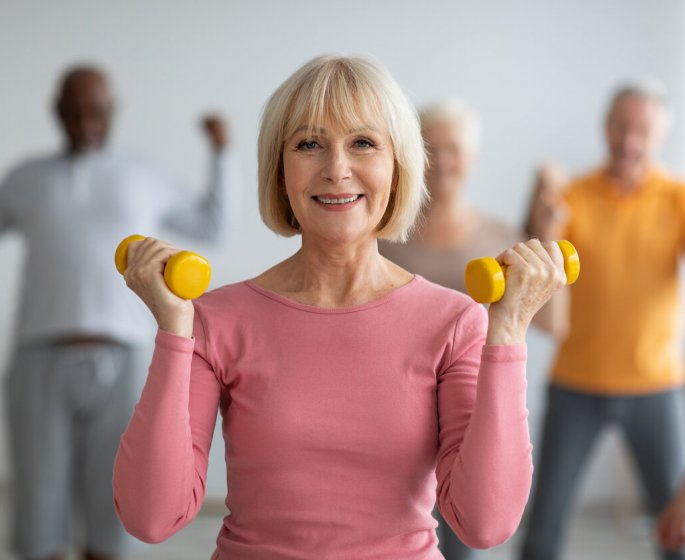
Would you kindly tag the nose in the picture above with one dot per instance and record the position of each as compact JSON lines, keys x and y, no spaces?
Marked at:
{"x":336,"y":166}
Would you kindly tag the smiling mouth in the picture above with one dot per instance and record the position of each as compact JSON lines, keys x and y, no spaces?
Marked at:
{"x":340,"y":200}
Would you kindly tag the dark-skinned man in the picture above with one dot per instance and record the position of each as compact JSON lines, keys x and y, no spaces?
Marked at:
{"x":79,"y":362}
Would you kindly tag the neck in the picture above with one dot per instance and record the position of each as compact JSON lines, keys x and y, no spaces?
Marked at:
{"x":338,"y":276}
{"x":447,"y":207}
{"x":448,"y":221}
{"x":628,"y":180}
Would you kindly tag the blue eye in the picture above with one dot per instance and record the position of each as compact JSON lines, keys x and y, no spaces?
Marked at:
{"x":363,"y":143}
{"x":308,"y":145}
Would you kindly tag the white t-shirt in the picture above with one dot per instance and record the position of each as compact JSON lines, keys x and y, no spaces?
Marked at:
{"x":73,"y":211}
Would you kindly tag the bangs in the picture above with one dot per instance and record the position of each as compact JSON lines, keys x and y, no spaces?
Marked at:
{"x":340,"y":96}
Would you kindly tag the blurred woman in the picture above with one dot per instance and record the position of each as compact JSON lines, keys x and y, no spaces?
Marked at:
{"x":452,"y":232}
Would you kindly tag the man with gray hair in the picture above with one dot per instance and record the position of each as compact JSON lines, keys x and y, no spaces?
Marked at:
{"x":621,"y":362}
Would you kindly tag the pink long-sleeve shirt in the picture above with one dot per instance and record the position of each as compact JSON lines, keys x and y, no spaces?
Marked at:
{"x":336,"y":423}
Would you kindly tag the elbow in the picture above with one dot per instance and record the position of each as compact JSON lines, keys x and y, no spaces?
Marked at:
{"x":143,"y":527}
{"x":484,"y":529}
{"x":490,"y":519}
{"x":488,"y":536}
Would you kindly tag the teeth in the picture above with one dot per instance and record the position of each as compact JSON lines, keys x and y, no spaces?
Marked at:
{"x":337,"y":200}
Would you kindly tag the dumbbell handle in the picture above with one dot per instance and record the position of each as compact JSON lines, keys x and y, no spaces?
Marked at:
{"x":485,"y":279}
{"x":186,"y":274}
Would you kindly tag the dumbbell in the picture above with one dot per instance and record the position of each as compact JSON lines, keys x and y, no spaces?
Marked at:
{"x":485,"y":280}
{"x":186,"y":274}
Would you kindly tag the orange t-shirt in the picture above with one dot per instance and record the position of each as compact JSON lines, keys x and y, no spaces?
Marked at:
{"x":625,"y":307}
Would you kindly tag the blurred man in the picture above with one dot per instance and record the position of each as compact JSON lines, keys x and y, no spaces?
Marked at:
{"x":78,"y":370}
{"x":621,"y":362}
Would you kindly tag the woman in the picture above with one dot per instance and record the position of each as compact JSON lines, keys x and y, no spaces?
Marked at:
{"x":345,"y":383}
{"x":452,"y":232}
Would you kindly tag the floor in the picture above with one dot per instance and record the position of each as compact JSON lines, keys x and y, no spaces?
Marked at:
{"x":593,"y":536}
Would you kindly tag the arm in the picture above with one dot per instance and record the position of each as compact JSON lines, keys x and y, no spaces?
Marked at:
{"x":484,"y":462}
{"x":547,"y":211}
{"x":553,"y":318}
{"x":547,"y":220}
{"x":161,"y":466}
{"x":208,"y":216}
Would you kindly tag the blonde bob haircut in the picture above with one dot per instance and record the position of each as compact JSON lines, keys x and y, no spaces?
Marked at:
{"x":350,"y":93}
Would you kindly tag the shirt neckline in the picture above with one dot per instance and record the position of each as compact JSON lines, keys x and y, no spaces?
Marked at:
{"x":395,"y":293}
{"x":653,"y":175}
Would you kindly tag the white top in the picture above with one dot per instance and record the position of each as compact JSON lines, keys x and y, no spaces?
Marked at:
{"x":73,"y":211}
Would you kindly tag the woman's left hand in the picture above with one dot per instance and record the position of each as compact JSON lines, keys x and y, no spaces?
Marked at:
{"x":534,"y":270}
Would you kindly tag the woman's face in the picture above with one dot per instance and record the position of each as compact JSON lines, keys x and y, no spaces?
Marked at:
{"x":338,"y":181}
{"x":449,"y":158}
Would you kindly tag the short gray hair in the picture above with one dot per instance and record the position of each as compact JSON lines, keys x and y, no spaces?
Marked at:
{"x":455,"y":111}
{"x":647,"y":88}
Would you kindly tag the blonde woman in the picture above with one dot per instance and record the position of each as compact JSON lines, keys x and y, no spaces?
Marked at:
{"x":345,"y":383}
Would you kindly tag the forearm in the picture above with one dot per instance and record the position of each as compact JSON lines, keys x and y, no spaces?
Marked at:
{"x":157,"y":487}
{"x":484,"y":492}
{"x":208,"y":216}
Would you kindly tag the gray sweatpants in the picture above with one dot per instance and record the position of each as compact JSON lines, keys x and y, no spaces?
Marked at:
{"x":68,"y":406}
{"x":654,"y":431}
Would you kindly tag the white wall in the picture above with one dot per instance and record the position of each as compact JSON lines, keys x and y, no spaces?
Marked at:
{"x":539,"y":72}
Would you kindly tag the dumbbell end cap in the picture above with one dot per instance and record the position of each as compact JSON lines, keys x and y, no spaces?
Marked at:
{"x":187,"y":274}
{"x":571,"y":261}
{"x":121,"y":254}
{"x":484,"y":279}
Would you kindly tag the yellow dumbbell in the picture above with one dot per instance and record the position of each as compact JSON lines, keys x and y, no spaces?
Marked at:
{"x":485,"y":281}
{"x":186,"y":274}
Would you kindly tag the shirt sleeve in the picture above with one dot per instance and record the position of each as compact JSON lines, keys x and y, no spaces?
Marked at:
{"x":485,"y":467}
{"x":161,"y":465}
{"x":207,"y":217}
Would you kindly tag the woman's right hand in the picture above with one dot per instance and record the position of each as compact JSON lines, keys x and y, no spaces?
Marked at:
{"x":145,"y":276}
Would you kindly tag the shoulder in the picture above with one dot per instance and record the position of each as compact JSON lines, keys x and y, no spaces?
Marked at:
{"x":234,"y":296}
{"x":500,"y":232}
{"x":666,"y":179}
{"x":437,"y":301}
{"x":30,"y":172}
{"x":30,"y":166}
{"x":585,"y":181}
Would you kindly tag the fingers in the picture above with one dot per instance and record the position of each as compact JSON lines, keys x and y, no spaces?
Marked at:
{"x":217,"y":130}
{"x":542,"y":260}
{"x":146,"y":261}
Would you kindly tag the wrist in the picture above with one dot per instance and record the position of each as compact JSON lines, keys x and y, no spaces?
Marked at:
{"x":179,"y":323}
{"x":506,"y":332}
